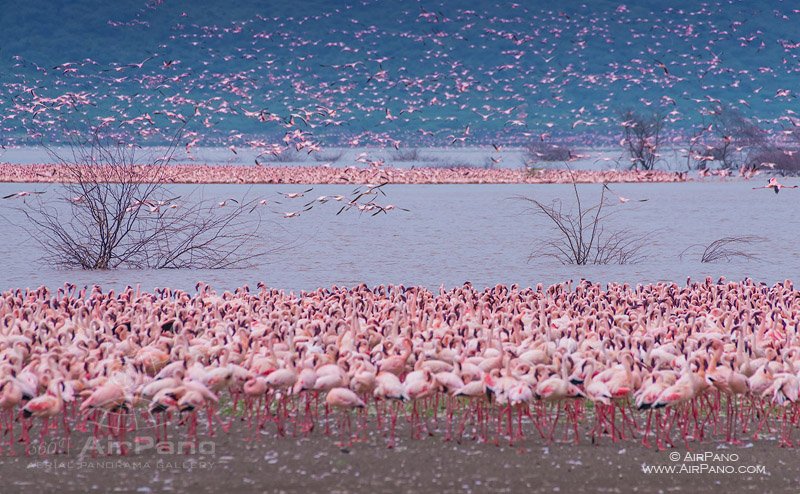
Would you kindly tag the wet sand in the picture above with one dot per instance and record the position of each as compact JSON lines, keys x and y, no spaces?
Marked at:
{"x":233,"y":463}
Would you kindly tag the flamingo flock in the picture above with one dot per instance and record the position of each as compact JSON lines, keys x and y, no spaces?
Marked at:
{"x":231,"y":174}
{"x":296,"y":78}
{"x":661,"y":364}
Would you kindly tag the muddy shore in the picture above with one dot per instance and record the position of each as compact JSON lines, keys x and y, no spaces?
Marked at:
{"x":235,"y":462}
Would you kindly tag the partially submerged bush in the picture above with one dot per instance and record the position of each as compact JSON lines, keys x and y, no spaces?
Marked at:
{"x":727,"y":249}
{"x":729,"y":139}
{"x":411,"y":154}
{"x":786,"y":162}
{"x":641,"y":138}
{"x":581,"y":236}
{"x":115,"y":211}
{"x":288,"y":155}
{"x":328,"y":157}
{"x":546,"y":153}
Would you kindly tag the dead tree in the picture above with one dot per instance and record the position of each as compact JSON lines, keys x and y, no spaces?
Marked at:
{"x":581,"y":236}
{"x":736,"y":138}
{"x":694,"y":157}
{"x":780,"y":155}
{"x":115,"y":210}
{"x":641,"y":138}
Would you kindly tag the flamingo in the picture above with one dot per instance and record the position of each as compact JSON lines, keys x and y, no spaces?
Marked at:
{"x":775,"y":185}
{"x":345,"y":400}
{"x":46,"y":407}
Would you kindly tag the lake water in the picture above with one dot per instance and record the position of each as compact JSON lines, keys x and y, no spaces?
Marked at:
{"x":458,"y":233}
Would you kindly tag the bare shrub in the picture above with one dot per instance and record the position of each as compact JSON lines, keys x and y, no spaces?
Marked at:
{"x":783,"y":161}
{"x":115,"y":211}
{"x":547,"y":153}
{"x":726,"y":154}
{"x":288,"y":155}
{"x":735,"y":138}
{"x":411,"y":154}
{"x":693,"y":155}
{"x":781,"y":156}
{"x":581,"y":235}
{"x":328,"y":157}
{"x":727,"y":249}
{"x":641,"y":138}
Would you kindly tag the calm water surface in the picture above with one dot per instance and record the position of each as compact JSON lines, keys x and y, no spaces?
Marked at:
{"x":458,"y":233}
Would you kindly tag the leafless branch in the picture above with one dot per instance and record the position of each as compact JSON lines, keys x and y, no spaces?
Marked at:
{"x":726,"y":249}
{"x":328,"y":157}
{"x":115,"y":210}
{"x":404,"y":155}
{"x":641,"y":138}
{"x":581,"y":236}
{"x":541,"y":152}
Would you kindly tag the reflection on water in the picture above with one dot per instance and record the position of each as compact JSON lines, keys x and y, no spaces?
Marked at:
{"x":458,"y":233}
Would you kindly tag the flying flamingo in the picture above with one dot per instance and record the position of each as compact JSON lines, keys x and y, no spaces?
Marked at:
{"x":775,"y":185}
